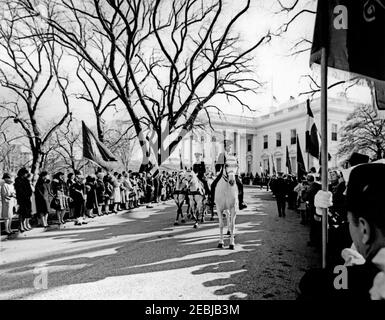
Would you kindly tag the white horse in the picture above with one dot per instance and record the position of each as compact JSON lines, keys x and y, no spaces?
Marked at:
{"x":180,"y":195}
{"x":196,"y":194}
{"x":226,"y":200}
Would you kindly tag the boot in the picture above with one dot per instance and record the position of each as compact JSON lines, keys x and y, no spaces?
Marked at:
{"x":242,"y":205}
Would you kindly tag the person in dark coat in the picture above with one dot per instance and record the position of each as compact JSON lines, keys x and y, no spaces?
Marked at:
{"x":360,"y":279}
{"x":100,"y":190}
{"x":77,"y":193}
{"x":23,"y":196}
{"x":199,"y":167}
{"x":338,"y":237}
{"x":108,"y":190}
{"x":308,"y":195}
{"x":70,"y":181}
{"x":42,"y":192}
{"x":91,"y":201}
{"x":280,"y":189}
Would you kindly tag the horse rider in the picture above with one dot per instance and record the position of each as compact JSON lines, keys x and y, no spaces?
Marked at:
{"x":199,"y":167}
{"x":222,"y":158}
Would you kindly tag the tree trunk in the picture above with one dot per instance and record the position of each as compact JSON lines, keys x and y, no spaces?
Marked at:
{"x":36,"y":162}
{"x":99,"y":129}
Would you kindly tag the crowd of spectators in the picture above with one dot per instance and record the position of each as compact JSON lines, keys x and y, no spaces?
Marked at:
{"x":60,"y":198}
{"x":299,"y":194}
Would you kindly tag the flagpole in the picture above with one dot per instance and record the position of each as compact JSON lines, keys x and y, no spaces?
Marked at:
{"x":324,"y":142}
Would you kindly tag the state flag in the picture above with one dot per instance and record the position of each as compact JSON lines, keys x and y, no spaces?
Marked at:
{"x":288,"y":162}
{"x":96,"y":151}
{"x":312,"y":145}
{"x":301,"y":169}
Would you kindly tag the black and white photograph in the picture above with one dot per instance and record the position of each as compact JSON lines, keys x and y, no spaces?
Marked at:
{"x":200,"y":153}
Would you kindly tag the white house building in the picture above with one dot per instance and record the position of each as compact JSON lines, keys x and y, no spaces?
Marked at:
{"x":260,"y":140}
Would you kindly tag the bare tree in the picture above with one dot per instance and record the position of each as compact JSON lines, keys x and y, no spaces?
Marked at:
{"x":166,"y":60}
{"x":121,"y":142}
{"x":64,"y":150}
{"x":97,"y":92}
{"x":363,"y":132}
{"x":29,"y":67}
{"x":295,"y":10}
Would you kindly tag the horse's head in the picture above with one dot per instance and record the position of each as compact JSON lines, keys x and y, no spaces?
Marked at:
{"x":189,"y":175}
{"x":229,"y":173}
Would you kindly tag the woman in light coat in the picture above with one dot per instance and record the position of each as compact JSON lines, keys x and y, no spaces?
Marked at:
{"x":8,"y":201}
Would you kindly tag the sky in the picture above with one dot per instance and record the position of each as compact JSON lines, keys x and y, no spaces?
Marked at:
{"x":281,"y":72}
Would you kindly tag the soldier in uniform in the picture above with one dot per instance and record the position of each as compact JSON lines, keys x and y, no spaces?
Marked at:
{"x":218,"y":168}
{"x":199,"y":167}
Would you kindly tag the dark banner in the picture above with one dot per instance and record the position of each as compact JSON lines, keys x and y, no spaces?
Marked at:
{"x":353,"y":32}
{"x":96,"y":151}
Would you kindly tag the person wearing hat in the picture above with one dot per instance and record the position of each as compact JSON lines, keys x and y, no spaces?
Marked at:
{"x":8,"y":201}
{"x":222,"y":158}
{"x":42,"y":197}
{"x":199,"y":167}
{"x":77,"y":193}
{"x":23,"y":195}
{"x":59,"y":202}
{"x":364,"y":278}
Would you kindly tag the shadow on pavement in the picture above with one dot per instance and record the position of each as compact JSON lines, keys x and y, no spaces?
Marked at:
{"x":119,"y":249}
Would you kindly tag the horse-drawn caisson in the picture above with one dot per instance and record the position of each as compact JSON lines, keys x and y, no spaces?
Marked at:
{"x":226,"y":193}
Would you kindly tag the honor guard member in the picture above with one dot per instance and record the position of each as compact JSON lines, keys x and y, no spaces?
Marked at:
{"x":199,"y":167}
{"x":227,"y":154}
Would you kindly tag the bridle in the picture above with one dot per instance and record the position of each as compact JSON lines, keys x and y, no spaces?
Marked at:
{"x":181,"y":181}
{"x":225,"y":174}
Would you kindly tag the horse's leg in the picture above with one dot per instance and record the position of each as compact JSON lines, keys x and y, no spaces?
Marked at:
{"x":178,"y":211}
{"x":221,"y":243}
{"x":228,"y":219}
{"x":181,"y":209}
{"x":195,"y":210}
{"x":203,"y":210}
{"x":233,"y":214}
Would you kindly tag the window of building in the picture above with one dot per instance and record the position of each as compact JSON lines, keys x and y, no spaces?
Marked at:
{"x":334,"y":132}
{"x":278,"y":139}
{"x":265,"y":142}
{"x":213,"y":139}
{"x":249,"y":145}
{"x":265,"y":164}
{"x":293,"y":136}
{"x":279,"y":164}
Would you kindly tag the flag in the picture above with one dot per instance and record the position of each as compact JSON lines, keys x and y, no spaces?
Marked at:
{"x":272,"y":160}
{"x":96,"y":151}
{"x":260,"y":167}
{"x":312,"y":145}
{"x":180,"y":161}
{"x":320,"y":157}
{"x":301,"y":169}
{"x":288,"y":163}
{"x":353,"y":33}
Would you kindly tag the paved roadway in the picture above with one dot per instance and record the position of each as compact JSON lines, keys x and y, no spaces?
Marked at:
{"x":141,"y":255}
